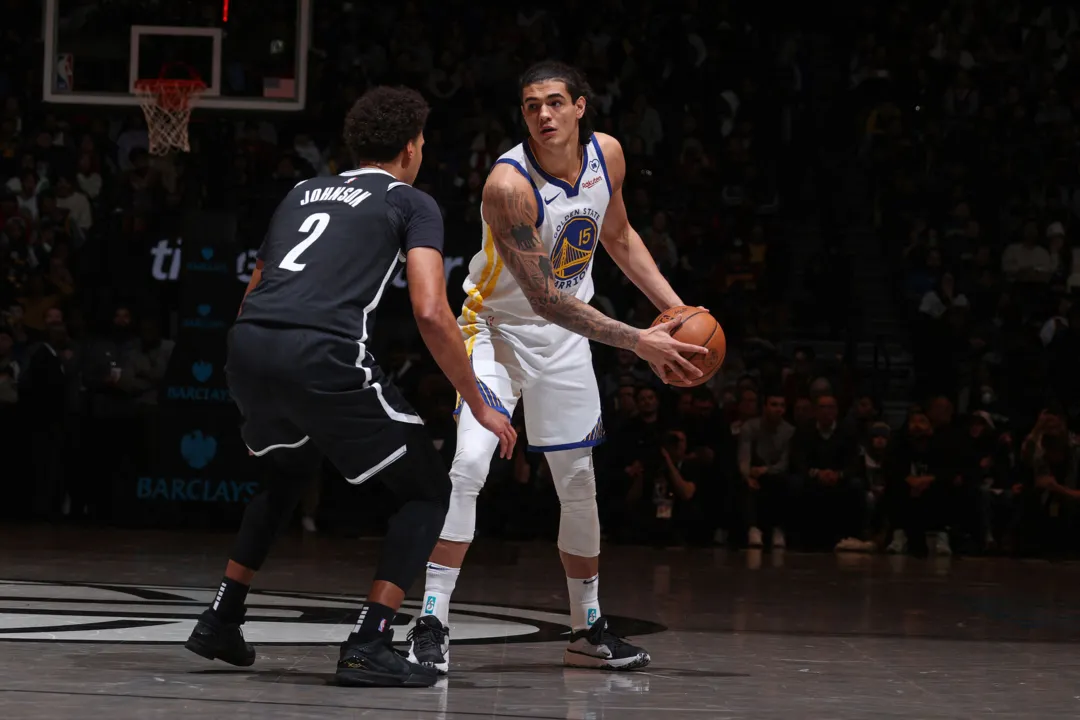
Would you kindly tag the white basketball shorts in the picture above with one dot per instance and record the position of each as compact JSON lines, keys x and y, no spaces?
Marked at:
{"x":556,"y":384}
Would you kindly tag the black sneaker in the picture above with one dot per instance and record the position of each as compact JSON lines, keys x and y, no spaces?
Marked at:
{"x":430,"y":644}
{"x":378,"y":664}
{"x":602,"y":649}
{"x":214,"y":639}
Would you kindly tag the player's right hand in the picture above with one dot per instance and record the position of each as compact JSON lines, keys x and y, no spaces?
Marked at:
{"x":499,"y":424}
{"x":656,"y":347}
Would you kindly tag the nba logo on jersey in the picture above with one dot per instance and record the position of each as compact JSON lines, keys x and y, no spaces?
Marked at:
{"x":65,"y":72}
{"x":575,"y":240}
{"x":429,"y":606}
{"x":382,"y":625}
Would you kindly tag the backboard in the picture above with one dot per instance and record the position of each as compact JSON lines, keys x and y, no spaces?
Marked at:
{"x":252,"y":54}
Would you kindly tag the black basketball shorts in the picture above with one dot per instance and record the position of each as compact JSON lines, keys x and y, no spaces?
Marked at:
{"x":296,"y":386}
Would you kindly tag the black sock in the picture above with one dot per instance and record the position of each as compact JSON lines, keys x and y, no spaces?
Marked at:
{"x":374,"y":622}
{"x":229,"y":603}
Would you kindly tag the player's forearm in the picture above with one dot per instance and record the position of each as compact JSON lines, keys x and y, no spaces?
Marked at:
{"x":568,"y":312}
{"x":443,"y":339}
{"x":637,"y":263}
{"x":510,"y":211}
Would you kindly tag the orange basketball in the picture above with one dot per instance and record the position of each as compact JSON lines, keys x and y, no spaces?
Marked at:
{"x":698,"y":328}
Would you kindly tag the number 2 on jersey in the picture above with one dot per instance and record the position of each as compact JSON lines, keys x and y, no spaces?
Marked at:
{"x":319,"y":221}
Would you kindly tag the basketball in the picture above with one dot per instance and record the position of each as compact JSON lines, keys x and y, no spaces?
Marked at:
{"x":698,"y":328}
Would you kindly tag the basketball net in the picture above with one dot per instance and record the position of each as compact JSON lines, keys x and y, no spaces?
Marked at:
{"x":167,"y":107}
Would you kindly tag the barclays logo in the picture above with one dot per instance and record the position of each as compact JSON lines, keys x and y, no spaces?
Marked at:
{"x":198,"y":450}
{"x":202,"y":371}
{"x":207,"y":263}
{"x":203,"y":321}
{"x":182,"y":490}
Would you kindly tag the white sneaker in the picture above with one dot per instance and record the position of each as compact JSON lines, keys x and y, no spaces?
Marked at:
{"x":939,"y":543}
{"x":429,"y":644}
{"x":308,"y":524}
{"x":778,"y":541}
{"x":753,"y":537}
{"x":898,"y":546}
{"x":601,"y":649}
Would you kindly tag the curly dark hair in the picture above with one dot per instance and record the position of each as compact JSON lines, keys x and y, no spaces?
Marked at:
{"x":382,"y":122}
{"x":576,"y":84}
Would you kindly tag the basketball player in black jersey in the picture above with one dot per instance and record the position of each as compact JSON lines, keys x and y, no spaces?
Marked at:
{"x":306,"y":386}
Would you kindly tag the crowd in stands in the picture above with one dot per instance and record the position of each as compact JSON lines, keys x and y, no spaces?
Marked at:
{"x":970,"y":114}
{"x":969,"y":136}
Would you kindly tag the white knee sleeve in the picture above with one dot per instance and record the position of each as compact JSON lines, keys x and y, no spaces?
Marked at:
{"x":575,"y":481}
{"x":467,"y":474}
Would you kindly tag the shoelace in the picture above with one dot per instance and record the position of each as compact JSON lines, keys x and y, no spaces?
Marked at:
{"x":607,"y":637}
{"x":426,"y":637}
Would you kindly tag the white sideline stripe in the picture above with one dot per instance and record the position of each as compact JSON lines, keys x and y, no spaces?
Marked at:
{"x":388,"y":460}
{"x":282,"y":446}
{"x":394,"y":414}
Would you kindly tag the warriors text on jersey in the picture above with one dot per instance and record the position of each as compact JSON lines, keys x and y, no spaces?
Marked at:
{"x":333,"y":245}
{"x":569,"y":218}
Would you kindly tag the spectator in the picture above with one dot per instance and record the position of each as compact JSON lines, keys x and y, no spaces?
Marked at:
{"x":43,"y":397}
{"x":764,"y":457}
{"x":75,"y":203}
{"x":984,"y":465}
{"x":641,"y":438}
{"x":869,"y":468}
{"x":661,"y":496}
{"x":1026,"y":261}
{"x":110,"y":380}
{"x":35,"y":303}
{"x":149,"y":359}
{"x":916,"y":491}
{"x":832,"y":506}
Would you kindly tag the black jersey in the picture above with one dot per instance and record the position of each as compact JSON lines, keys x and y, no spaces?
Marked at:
{"x":333,"y":245}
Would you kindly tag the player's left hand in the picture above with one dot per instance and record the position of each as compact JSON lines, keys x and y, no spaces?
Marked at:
{"x":499,"y":424}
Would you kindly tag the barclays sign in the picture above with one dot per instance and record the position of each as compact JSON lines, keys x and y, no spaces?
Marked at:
{"x":203,"y":319}
{"x":201,"y":371}
{"x":197,"y":490}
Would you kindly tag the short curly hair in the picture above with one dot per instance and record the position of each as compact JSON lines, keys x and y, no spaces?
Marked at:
{"x":383,"y":121}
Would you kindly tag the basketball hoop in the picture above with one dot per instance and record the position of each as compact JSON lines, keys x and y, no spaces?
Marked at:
{"x":166,"y":103}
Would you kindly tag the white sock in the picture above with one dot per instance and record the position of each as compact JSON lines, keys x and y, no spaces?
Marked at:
{"x":584,"y":601}
{"x":438,"y":588}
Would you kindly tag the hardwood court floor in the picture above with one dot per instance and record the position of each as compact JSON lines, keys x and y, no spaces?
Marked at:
{"x":91,"y":623}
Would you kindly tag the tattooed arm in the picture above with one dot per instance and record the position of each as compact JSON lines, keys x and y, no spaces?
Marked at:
{"x":509,"y":208}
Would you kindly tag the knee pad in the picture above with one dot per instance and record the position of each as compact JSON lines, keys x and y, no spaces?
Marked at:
{"x":467,"y":477}
{"x":575,"y":482}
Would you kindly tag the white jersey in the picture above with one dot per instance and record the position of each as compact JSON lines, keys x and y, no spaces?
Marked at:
{"x":569,"y":220}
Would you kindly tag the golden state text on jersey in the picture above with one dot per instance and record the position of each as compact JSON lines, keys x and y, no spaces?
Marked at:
{"x":576,"y":235}
{"x":569,"y":218}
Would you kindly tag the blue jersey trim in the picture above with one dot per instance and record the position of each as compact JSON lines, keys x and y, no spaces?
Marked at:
{"x":523,"y":171}
{"x":570,"y":190}
{"x":603,"y":163}
{"x":567,"y":446}
{"x":489,"y":397}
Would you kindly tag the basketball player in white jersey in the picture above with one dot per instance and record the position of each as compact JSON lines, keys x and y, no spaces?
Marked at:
{"x":547,"y":205}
